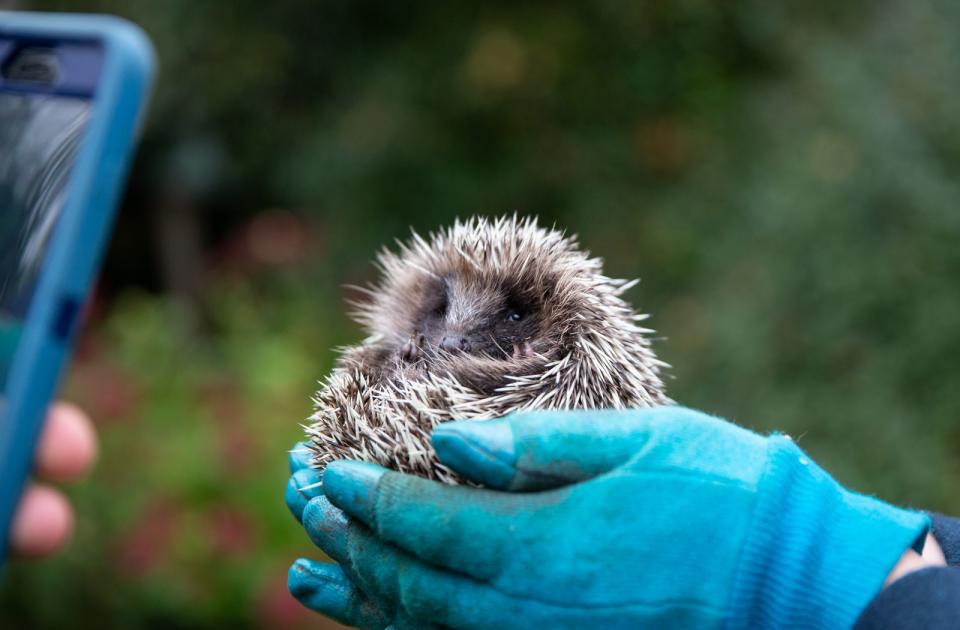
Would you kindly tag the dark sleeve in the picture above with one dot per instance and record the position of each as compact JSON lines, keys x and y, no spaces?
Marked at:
{"x":946,"y":530}
{"x":928,"y":599}
{"x":925,"y":599}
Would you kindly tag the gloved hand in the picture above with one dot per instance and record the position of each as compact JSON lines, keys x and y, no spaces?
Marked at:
{"x":659,"y":518}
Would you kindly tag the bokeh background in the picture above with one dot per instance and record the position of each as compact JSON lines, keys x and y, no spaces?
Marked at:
{"x":783,"y":176}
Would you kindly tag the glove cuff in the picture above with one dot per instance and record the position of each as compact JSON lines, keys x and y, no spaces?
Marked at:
{"x":817,"y":554}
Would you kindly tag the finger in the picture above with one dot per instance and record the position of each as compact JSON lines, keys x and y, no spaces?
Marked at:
{"x":328,"y":528}
{"x":43,"y":523}
{"x":451,"y":526}
{"x":324,"y":588}
{"x":299,"y":457}
{"x":422,"y":596}
{"x":550,"y":449}
{"x":334,"y":534}
{"x":68,"y":444}
{"x":331,"y":531}
{"x":303,"y":485}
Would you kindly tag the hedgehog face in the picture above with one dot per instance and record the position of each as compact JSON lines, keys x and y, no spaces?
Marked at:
{"x":486,"y":302}
{"x":460,"y":314}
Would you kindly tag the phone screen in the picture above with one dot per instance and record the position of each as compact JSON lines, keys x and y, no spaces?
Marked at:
{"x":39,"y":138}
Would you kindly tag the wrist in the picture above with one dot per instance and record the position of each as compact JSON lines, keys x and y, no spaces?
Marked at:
{"x":911,"y":561}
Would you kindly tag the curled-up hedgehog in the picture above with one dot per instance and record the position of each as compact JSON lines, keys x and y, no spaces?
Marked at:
{"x":480,"y":320}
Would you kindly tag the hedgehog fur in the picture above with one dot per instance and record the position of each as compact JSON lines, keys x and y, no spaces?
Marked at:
{"x":539,"y":326}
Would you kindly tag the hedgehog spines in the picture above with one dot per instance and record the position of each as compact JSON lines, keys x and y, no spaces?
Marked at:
{"x":589,"y":350}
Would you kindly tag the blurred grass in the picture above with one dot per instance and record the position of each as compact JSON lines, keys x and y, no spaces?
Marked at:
{"x":783,"y":177}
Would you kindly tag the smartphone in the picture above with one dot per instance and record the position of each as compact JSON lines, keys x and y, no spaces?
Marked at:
{"x":72,"y":94}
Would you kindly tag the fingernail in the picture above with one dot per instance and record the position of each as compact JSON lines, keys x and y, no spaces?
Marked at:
{"x":299,"y":457}
{"x":302,"y":486}
{"x":482,"y":450}
{"x":327,"y":527}
{"x":352,"y":487}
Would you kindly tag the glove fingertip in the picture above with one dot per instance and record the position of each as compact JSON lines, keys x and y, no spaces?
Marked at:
{"x":302,"y":486}
{"x":353,"y":487}
{"x":300,"y":578}
{"x":324,"y":588}
{"x":326,"y":525}
{"x":321,"y":587}
{"x":482,"y":452}
{"x":299,"y":457}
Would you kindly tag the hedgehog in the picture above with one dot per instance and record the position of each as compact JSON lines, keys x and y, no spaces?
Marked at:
{"x":477,"y":321}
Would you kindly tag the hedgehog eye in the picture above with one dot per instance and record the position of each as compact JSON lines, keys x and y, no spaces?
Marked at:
{"x":439,"y":301}
{"x":440,"y":309}
{"x":513,"y":315}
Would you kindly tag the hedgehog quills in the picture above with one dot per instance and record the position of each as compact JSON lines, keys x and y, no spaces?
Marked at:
{"x":477,"y":321}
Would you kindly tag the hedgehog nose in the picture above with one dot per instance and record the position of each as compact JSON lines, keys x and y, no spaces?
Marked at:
{"x":454,"y":343}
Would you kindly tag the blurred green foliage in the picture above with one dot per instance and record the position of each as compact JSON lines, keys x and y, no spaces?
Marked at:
{"x":783,"y":177}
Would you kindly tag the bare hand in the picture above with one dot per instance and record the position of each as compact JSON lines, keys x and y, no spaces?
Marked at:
{"x":44,"y":521}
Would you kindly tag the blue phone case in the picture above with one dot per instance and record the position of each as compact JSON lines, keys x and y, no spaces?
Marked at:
{"x":78,"y":241}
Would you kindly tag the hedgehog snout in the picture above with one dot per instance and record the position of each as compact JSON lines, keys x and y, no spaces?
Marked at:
{"x":455,"y":343}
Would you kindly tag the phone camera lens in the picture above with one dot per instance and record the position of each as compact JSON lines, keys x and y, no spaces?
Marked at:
{"x":33,"y":64}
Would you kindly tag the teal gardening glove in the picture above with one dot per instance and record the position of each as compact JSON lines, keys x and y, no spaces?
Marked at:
{"x":658,"y":518}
